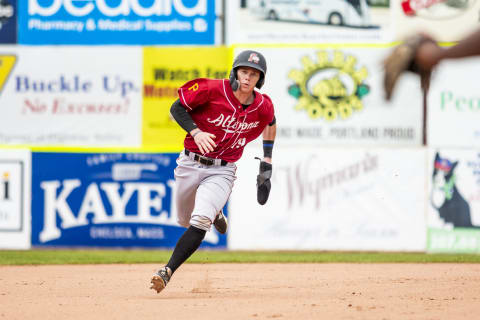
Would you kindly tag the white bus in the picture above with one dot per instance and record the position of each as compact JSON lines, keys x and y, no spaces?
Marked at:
{"x":353,"y":13}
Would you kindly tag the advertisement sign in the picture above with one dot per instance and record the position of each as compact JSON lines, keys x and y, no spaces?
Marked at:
{"x":8,"y":21}
{"x":454,"y":105}
{"x":7,"y":63}
{"x":138,"y":22}
{"x":301,"y":21}
{"x":74,"y":96}
{"x":454,"y":194}
{"x":15,"y":177}
{"x":332,"y":199}
{"x":445,"y":20}
{"x":164,"y":71}
{"x":334,"y":95}
{"x":106,"y":200}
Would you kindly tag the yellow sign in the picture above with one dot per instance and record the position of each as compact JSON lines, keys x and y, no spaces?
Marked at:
{"x":7,"y":62}
{"x":164,"y":71}
{"x":330,"y":87}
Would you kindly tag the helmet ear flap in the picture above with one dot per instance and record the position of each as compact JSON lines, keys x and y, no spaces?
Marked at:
{"x":260,"y":81}
{"x":233,"y":80}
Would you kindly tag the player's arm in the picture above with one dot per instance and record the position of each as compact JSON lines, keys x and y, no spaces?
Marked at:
{"x":265,"y":170}
{"x":430,"y":54}
{"x":268,"y":135}
{"x":467,"y":47}
{"x":204,"y":140}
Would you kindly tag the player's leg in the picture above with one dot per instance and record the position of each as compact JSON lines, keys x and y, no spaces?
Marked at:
{"x":220,"y":223}
{"x":187,"y":182}
{"x":187,"y":179}
{"x":211,"y":196}
{"x":185,"y":247}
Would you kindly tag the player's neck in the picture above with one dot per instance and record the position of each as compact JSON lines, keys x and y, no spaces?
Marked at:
{"x":244,"y":97}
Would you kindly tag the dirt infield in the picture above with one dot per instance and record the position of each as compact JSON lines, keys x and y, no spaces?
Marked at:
{"x":243,"y":291}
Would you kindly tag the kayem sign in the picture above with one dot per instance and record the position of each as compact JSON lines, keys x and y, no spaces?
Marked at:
{"x":111,"y":200}
{"x":117,"y":22}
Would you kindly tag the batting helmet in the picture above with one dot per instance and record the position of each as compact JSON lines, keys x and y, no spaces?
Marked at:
{"x":252,"y":59}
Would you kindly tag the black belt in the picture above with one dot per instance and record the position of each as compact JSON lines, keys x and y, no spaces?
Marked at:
{"x":204,"y":160}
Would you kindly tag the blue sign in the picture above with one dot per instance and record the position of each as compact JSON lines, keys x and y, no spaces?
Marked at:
{"x":106,"y":200}
{"x":133,"y":22}
{"x":8,"y":21}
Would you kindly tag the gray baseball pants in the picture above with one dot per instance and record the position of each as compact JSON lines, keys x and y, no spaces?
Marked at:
{"x":202,"y":190}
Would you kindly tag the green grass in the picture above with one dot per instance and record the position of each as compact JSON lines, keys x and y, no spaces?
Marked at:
{"x":41,"y":257}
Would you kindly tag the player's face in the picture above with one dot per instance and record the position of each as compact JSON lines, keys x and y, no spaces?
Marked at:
{"x":248,"y":78}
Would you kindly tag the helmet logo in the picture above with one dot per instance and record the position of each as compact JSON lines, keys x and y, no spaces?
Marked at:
{"x":254,"y":58}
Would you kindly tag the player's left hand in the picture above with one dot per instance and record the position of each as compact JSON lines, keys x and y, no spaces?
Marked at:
{"x":263,"y":181}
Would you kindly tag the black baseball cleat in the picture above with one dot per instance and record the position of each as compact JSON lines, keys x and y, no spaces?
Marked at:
{"x":221,"y":223}
{"x":160,"y":279}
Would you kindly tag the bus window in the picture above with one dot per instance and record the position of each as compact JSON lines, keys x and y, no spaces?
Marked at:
{"x":356,"y":4}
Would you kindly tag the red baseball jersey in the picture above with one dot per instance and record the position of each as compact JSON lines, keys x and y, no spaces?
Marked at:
{"x":215,"y":109}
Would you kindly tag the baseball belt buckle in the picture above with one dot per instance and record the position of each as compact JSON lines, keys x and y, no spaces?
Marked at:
{"x":206,"y":161}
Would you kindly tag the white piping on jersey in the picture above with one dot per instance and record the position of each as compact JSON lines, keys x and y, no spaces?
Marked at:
{"x":248,"y":111}
{"x":186,"y":104}
{"x":238,"y":132}
{"x":234,"y":111}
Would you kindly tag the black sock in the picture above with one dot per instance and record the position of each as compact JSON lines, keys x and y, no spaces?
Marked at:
{"x":186,"y":246}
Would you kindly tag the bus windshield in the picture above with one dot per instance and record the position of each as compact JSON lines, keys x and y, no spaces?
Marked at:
{"x":356,"y":5}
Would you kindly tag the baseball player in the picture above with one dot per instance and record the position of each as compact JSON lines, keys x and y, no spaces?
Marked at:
{"x":220,"y":116}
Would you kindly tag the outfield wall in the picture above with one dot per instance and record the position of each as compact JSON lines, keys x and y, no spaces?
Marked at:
{"x":87,"y":144}
{"x":72,"y":113}
{"x":361,"y":198}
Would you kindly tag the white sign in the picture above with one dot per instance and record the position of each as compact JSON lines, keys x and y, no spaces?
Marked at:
{"x":332,"y":199}
{"x":15,"y":194}
{"x":76,"y":96}
{"x":278,"y":21}
{"x":335,"y":96}
{"x":11,"y":195}
{"x":454,"y":105}
{"x":444,"y":20}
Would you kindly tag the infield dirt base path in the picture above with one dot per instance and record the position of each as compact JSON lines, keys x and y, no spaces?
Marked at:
{"x":243,"y":291}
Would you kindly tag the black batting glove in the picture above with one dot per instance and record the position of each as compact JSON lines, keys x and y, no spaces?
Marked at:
{"x":263,"y":182}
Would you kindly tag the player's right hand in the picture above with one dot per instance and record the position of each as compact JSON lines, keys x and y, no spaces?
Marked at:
{"x":205,"y":142}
